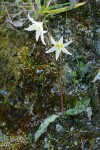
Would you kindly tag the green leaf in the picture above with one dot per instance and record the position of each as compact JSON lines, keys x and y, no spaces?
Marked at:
{"x":79,"y":107}
{"x":44,"y":125}
{"x":38,"y":3}
{"x":59,"y":10}
{"x":57,"y":6}
{"x":46,"y":3}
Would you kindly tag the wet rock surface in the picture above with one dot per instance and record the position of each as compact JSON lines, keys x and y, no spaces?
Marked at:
{"x":29,"y":89}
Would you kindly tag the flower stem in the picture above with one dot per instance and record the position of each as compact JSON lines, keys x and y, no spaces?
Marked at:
{"x":59,"y":75}
{"x":61,"y":86}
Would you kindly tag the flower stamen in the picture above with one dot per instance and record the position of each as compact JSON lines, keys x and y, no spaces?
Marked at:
{"x":60,"y":46}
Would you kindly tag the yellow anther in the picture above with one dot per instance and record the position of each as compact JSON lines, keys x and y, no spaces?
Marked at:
{"x":60,"y":46}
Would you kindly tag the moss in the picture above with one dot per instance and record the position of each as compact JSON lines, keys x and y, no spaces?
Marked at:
{"x":11,"y":42}
{"x":12,"y":141}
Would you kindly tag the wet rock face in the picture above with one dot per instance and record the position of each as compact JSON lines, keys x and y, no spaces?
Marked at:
{"x":29,"y":88}
{"x":97,"y":41}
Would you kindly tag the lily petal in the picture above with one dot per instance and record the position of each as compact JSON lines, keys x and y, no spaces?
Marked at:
{"x":31,"y":19}
{"x":51,"y":50}
{"x":38,"y":33}
{"x":58,"y":51}
{"x":66,"y":51}
{"x":53,"y":41}
{"x":69,"y":42}
{"x":61,"y":40}
{"x":42,"y":38}
{"x":31,"y":27}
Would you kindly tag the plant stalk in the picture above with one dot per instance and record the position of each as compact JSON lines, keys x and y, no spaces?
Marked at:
{"x":61,"y":86}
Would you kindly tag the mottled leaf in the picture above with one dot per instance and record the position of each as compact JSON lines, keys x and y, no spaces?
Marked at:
{"x":79,"y":107}
{"x":44,"y":125}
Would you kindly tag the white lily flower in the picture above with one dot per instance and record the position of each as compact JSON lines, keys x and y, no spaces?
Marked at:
{"x":59,"y":46}
{"x":38,"y":26}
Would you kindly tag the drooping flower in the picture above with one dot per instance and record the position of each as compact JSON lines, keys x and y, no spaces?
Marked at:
{"x":59,"y":46}
{"x":38,"y":27}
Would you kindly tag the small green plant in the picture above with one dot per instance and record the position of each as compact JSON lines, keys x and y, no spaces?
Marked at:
{"x":80,"y":107}
{"x":42,"y":9}
{"x":47,"y":142}
{"x":59,"y":47}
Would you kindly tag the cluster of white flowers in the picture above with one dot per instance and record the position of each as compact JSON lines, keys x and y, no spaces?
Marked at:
{"x":58,"y":47}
